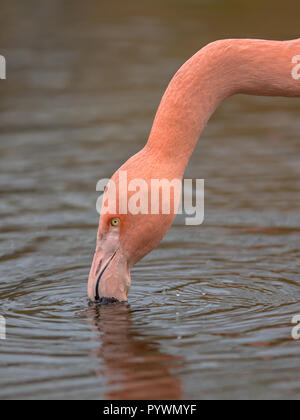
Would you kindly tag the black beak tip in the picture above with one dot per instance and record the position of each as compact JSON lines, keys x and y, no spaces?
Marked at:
{"x":107,"y":300}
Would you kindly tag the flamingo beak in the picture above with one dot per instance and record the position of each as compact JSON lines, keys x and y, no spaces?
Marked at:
{"x":109,"y":279}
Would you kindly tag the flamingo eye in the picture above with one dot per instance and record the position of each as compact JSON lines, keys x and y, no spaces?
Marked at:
{"x":115,"y":222}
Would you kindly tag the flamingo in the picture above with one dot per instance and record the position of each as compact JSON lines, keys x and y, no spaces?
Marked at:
{"x":217,"y":71}
{"x":129,"y":372}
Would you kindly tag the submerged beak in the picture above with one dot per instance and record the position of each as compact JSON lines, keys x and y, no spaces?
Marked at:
{"x":109,"y":278}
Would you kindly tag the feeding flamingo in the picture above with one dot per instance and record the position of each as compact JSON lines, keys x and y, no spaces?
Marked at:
{"x":219,"y":70}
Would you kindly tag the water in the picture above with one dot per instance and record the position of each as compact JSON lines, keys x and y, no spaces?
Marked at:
{"x":209,"y":312}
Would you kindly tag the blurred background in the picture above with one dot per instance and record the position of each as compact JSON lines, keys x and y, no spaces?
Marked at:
{"x":209,"y":313}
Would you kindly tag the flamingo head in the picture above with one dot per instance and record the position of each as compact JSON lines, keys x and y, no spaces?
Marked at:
{"x":123,"y":239}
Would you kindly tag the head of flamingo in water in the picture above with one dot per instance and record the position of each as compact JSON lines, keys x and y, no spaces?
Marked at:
{"x":221,"y":69}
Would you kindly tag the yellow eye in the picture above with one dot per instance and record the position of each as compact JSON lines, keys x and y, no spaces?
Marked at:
{"x":115,"y":221}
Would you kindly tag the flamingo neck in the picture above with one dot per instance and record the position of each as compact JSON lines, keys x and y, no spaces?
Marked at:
{"x":219,"y":70}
